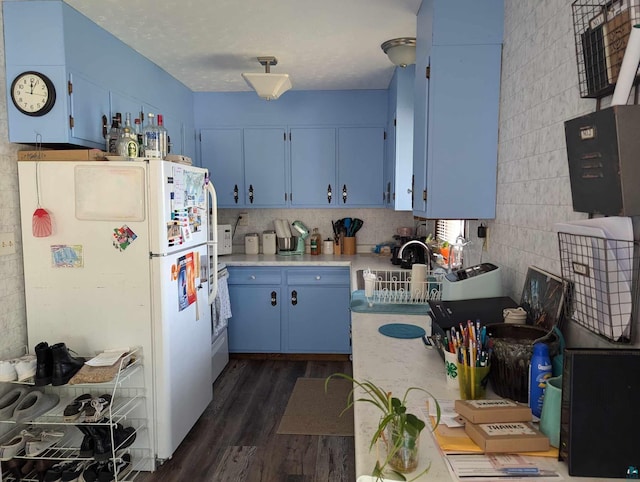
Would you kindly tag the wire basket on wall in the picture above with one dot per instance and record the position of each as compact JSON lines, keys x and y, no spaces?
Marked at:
{"x":600,"y":272}
{"x":602,"y":31}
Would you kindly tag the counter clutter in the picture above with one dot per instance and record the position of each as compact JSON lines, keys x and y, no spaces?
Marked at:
{"x":390,"y":362}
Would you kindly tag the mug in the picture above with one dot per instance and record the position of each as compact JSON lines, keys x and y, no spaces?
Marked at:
{"x":550,"y":416}
{"x":516,"y":316}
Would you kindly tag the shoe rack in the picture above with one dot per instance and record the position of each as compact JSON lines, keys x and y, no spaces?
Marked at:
{"x":127,"y":409}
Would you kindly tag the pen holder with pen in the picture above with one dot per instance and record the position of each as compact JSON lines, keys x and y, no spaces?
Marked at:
{"x":473,"y":381}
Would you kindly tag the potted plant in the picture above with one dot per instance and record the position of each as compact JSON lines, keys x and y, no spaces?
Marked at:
{"x":397,"y":429}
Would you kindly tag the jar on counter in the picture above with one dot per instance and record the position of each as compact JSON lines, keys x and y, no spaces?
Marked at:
{"x":315,"y":241}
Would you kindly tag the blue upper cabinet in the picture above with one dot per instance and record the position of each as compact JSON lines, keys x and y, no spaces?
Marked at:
{"x":399,"y":153}
{"x":313,"y":166}
{"x":265,"y":167}
{"x":221,"y":153}
{"x":334,"y":143}
{"x":52,"y":38}
{"x":457,"y":87}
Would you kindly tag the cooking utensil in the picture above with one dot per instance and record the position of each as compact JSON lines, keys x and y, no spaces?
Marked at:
{"x":347,"y":226}
{"x":41,"y":220}
{"x":356,"y":225}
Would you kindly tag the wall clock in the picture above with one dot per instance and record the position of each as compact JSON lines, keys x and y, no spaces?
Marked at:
{"x":33,"y":93}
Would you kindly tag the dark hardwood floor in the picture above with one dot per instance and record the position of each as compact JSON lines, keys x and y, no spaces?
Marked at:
{"x":235,"y":440}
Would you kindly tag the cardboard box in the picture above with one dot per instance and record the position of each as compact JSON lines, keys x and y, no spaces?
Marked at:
{"x":488,"y":411}
{"x":507,"y":437}
{"x":63,"y":155}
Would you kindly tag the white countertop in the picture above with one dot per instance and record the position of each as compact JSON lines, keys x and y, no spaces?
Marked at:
{"x":393,"y":363}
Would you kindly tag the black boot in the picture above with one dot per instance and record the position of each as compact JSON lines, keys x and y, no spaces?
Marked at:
{"x":88,"y":444}
{"x":64,"y":365}
{"x":44,"y":367}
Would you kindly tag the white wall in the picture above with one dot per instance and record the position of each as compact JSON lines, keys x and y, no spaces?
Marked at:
{"x":539,"y":92}
{"x":12,"y":308}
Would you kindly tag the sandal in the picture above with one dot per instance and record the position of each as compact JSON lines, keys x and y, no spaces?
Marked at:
{"x":96,"y":410}
{"x":75,"y":408}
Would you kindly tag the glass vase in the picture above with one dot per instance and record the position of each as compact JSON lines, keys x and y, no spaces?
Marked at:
{"x":402,"y":449}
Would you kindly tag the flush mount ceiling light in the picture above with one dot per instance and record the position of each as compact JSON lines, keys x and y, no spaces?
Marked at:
{"x":401,"y":51}
{"x":268,"y":86}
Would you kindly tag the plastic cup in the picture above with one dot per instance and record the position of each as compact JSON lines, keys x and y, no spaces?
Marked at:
{"x":472,"y":382}
{"x":451,"y":370}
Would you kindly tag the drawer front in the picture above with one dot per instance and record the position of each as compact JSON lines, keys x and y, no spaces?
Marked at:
{"x":318,"y":276}
{"x":252,"y":275}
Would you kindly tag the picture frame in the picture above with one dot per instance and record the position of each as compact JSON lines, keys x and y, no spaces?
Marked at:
{"x":543,"y":298}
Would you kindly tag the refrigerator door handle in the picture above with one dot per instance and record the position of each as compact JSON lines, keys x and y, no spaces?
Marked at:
{"x":213,"y":236}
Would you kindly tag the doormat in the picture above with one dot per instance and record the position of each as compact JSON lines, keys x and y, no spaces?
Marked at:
{"x":311,"y":411}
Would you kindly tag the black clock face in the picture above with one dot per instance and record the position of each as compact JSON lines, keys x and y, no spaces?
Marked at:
{"x":33,"y":93}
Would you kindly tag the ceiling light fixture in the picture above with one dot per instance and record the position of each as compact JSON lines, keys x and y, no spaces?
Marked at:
{"x":268,"y":86}
{"x":401,"y":51}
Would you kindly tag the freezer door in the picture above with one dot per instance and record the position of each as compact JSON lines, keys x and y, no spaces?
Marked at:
{"x":178,"y":206}
{"x":182,"y":344}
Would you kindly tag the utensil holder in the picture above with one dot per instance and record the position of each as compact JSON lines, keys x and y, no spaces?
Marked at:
{"x":349,"y":245}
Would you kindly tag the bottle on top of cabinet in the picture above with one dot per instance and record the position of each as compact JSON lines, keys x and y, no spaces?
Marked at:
{"x":127,"y":142}
{"x":316,"y":242}
{"x":151,"y":137}
{"x":163,"y":137}
{"x":111,"y":139}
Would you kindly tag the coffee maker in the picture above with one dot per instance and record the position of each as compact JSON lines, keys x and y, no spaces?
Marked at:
{"x":412,"y":254}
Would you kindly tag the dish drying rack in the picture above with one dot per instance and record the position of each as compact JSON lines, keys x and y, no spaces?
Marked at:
{"x":395,"y":287}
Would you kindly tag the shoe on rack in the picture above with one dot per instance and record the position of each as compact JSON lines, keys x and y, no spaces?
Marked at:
{"x":65,"y":366}
{"x":14,"y":467}
{"x":18,"y":443}
{"x":93,"y":470}
{"x":74,"y":471}
{"x":44,"y":440}
{"x":77,"y":407}
{"x":26,"y":367}
{"x":44,"y":364}
{"x":34,"y":404}
{"x":87,"y":445}
{"x":10,"y":400}
{"x":98,"y":409}
{"x":120,"y":466}
{"x":8,"y":371}
{"x":54,"y":474}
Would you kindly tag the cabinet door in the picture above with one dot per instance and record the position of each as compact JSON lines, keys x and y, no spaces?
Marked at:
{"x":462,"y":144}
{"x":265,"y":167}
{"x":318,"y":316}
{"x":254,"y":326}
{"x":313,"y":167}
{"x":360,"y":166}
{"x":89,"y":103}
{"x":221,"y":153}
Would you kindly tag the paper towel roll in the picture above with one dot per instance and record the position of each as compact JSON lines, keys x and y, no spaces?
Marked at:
{"x":418,"y":285}
{"x":287,"y":229}
{"x":280,"y":232}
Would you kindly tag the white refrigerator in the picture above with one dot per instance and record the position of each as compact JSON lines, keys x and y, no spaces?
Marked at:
{"x":131,"y":261}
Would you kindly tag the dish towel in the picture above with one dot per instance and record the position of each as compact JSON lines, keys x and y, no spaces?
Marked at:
{"x":222,"y":306}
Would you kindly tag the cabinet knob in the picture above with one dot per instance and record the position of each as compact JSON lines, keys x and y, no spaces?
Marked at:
{"x":294,"y":297}
{"x":235,"y":193}
{"x":274,"y":298}
{"x":251,"y":193}
{"x":318,"y":278}
{"x":409,"y":190}
{"x":253,"y":276}
{"x":329,"y":194}
{"x":344,"y":193}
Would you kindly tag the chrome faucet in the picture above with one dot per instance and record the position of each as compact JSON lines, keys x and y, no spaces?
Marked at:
{"x":427,"y":251}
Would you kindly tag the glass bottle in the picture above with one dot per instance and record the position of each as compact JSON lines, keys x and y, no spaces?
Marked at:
{"x":151,"y":139}
{"x":163,"y":136}
{"x":138,"y":131}
{"x":128,"y":142}
{"x":114,"y":134}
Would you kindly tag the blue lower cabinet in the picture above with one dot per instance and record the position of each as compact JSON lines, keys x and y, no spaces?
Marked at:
{"x":311,"y":316}
{"x":255,"y":323}
{"x":318,"y":319}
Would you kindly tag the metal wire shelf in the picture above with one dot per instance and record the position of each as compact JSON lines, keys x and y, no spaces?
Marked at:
{"x":398,"y":287}
{"x":602,"y":290}
{"x":601,"y":31}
